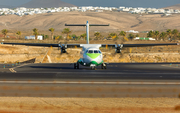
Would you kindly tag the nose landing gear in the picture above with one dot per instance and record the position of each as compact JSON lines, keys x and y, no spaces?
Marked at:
{"x":93,"y":68}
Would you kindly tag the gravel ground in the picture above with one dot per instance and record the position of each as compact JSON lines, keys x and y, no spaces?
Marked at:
{"x":89,"y":105}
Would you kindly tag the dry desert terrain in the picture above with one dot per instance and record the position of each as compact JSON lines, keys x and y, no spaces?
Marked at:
{"x":118,"y":21}
{"x":88,"y":105}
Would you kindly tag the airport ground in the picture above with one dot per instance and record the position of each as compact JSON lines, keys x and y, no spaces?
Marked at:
{"x":57,"y":87}
{"x":123,"y":87}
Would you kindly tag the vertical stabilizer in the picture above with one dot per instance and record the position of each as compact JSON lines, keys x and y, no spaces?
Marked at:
{"x":87,"y":32}
{"x":87,"y":28}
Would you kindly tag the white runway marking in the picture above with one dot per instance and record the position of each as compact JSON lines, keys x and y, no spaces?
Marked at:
{"x":104,"y":73}
{"x":74,"y":82}
{"x":12,"y":69}
{"x":171,"y":66}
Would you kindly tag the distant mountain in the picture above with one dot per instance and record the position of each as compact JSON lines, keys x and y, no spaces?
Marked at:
{"x":126,"y":3}
{"x":177,"y":6}
{"x":46,"y":4}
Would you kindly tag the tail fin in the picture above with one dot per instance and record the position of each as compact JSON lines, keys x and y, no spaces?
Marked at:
{"x":87,"y":32}
{"x":87,"y":28}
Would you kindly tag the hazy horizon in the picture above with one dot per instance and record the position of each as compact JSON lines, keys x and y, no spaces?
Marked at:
{"x":103,"y":3}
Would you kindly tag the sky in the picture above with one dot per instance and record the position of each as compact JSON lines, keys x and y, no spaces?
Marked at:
{"x":13,"y":2}
{"x":108,"y":3}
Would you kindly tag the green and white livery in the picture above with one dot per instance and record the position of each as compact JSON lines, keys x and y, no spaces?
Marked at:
{"x":90,"y":56}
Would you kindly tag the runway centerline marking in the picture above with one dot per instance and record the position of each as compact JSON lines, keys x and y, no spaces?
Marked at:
{"x":74,"y":82}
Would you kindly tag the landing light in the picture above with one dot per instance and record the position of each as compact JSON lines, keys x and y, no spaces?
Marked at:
{"x":84,"y":63}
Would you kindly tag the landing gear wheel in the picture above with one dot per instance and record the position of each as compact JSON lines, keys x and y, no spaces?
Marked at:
{"x":93,"y":67}
{"x":76,"y":65}
{"x":103,"y":66}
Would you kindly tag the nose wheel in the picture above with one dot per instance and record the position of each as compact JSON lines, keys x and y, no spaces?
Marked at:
{"x":103,"y":66}
{"x":76,"y":65}
{"x":93,"y":67}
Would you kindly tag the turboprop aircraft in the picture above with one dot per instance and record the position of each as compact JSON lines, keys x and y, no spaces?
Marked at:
{"x":90,"y":55}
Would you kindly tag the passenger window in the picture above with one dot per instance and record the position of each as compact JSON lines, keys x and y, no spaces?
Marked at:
{"x":90,"y":51}
{"x":95,"y":51}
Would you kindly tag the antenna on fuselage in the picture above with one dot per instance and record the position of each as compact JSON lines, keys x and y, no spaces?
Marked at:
{"x":87,"y":28}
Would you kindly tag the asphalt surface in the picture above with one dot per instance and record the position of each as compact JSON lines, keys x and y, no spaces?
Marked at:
{"x":114,"y":72}
{"x":118,"y":80}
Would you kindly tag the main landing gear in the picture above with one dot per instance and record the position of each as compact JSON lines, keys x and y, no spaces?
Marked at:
{"x":76,"y":65}
{"x":103,"y":66}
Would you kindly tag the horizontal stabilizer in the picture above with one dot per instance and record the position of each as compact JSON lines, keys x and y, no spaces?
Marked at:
{"x":75,"y":24}
{"x":98,"y":24}
{"x":85,"y":24}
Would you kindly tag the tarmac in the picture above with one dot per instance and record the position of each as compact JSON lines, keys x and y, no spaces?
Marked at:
{"x":118,"y":80}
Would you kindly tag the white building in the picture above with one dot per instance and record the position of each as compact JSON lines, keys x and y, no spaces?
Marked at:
{"x":132,"y":31}
{"x":39,"y":37}
{"x":31,"y":11}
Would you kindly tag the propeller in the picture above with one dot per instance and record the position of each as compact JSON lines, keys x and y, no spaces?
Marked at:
{"x":118,"y":49}
{"x":63,"y":48}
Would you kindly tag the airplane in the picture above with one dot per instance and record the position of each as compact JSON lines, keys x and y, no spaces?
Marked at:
{"x":90,"y":55}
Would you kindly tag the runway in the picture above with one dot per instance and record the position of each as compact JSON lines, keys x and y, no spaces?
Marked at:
{"x":114,"y":72}
{"x":118,"y":80}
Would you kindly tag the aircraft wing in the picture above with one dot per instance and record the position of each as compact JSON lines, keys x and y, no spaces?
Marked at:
{"x":109,"y":45}
{"x":63,"y":47}
{"x":33,"y":44}
{"x":143,"y":45}
{"x":44,"y":44}
{"x":119,"y":47}
{"x":136,"y":45}
{"x":78,"y":45}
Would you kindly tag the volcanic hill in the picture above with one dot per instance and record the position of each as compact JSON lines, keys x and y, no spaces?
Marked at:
{"x":177,"y":6}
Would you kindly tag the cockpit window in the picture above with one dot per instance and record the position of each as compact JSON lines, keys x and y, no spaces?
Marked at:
{"x":93,"y":51}
{"x":90,"y":51}
{"x":96,"y":51}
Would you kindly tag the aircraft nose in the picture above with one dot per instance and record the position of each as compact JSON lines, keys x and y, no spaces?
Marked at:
{"x":93,"y":56}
